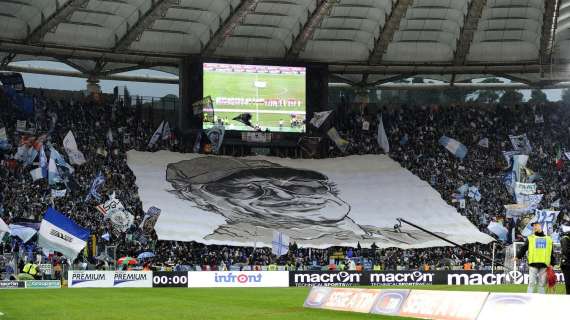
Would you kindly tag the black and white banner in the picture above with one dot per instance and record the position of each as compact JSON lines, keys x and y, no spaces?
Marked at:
{"x":317,"y":203}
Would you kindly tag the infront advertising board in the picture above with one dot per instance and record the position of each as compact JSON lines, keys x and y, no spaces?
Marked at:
{"x":237,"y":279}
{"x":169,"y":279}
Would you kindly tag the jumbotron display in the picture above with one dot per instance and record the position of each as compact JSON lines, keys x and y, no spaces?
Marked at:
{"x":255,"y":97}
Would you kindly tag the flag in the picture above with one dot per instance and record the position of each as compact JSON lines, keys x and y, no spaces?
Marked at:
{"x":453,"y":146}
{"x":558,"y":160}
{"x":58,"y":193}
{"x":53,"y":174}
{"x":156,"y":135}
{"x":499,"y":230}
{"x":508,"y":155}
{"x":61,"y":234}
{"x":166,"y":133}
{"x":216,"y":136}
{"x":4,"y":144}
{"x":109,"y":138}
{"x":112,"y":203}
{"x":3,"y":228}
{"x":70,"y":146}
{"x":22,"y":232}
{"x":197,"y":143}
{"x":484,"y":143}
{"x":382,"y":138}
{"x":43,"y":162}
{"x":64,"y":167}
{"x":37,"y":174}
{"x":244,"y":118}
{"x":280,"y":243}
{"x":106,"y":236}
{"x":21,"y":125}
{"x":519,"y":163}
{"x":340,"y":142}
{"x":149,"y":220}
{"x":521,"y":143}
{"x":94,"y":189}
{"x":509,"y":182}
{"x":319,"y":118}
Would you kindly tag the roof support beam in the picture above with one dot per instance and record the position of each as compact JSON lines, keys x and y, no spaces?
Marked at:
{"x":390,"y":28}
{"x":51,"y":22}
{"x":7,"y":59}
{"x":468,"y":31}
{"x":549,"y":25}
{"x":77,"y":74}
{"x":443,"y":69}
{"x":156,"y":11}
{"x":88,"y":54}
{"x":228,"y":27}
{"x":322,"y":10}
{"x":73,"y":65}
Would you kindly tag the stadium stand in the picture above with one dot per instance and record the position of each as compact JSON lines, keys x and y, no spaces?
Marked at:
{"x":105,"y":132}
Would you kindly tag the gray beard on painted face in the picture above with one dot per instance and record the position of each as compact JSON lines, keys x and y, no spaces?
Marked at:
{"x":305,"y":209}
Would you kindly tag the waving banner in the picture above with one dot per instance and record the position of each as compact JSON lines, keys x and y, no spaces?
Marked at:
{"x":317,"y":203}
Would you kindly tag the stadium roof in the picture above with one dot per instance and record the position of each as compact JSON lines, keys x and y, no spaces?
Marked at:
{"x":371,"y":41}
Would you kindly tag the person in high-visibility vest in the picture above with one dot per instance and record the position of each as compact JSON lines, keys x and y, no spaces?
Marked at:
{"x":565,"y":263}
{"x":31,"y":269}
{"x":540,"y":256}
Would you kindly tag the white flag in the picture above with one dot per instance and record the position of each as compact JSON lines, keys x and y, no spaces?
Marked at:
{"x":166,"y":131}
{"x":37,"y":174}
{"x":319,"y":118}
{"x":280,"y":243}
{"x":61,"y":234}
{"x":70,"y":146}
{"x":156,"y":135}
{"x":3,"y":227}
{"x":382,"y":138}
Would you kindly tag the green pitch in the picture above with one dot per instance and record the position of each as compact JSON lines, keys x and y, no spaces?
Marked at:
{"x":242,"y":85}
{"x":182,"y":303}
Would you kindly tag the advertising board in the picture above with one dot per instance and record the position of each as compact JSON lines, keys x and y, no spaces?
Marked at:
{"x":238,"y":279}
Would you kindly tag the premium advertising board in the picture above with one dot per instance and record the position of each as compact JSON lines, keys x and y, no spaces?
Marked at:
{"x":90,"y":279}
{"x":237,"y":279}
{"x":132,"y":279}
{"x":162,"y":279}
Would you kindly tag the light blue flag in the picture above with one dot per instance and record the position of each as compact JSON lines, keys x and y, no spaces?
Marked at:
{"x":53,"y":174}
{"x":22,"y":232}
{"x":60,"y":161}
{"x":94,"y":189}
{"x":43,"y":162}
{"x":454,"y":146}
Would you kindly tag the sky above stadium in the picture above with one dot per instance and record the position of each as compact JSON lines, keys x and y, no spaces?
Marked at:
{"x":140,"y":88}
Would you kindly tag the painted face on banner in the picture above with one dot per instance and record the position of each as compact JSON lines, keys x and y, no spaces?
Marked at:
{"x":260,"y":192}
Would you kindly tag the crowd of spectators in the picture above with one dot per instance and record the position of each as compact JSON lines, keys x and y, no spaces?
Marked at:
{"x":105,"y":132}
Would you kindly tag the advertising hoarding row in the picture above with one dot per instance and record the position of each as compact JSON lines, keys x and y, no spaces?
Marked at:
{"x":440,"y":305}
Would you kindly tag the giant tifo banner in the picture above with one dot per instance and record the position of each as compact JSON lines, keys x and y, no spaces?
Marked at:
{"x":317,"y":203}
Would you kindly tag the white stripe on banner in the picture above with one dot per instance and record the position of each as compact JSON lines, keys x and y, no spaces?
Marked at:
{"x":51,"y":237}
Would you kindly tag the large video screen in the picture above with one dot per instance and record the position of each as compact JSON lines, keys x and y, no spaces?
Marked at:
{"x":255,"y":97}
